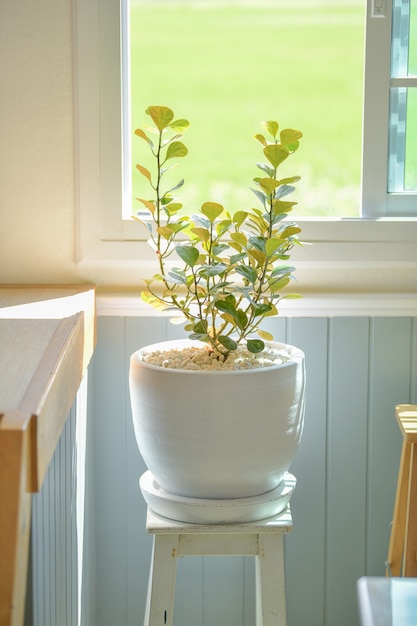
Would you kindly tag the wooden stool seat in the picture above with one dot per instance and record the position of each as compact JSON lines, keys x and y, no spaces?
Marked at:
{"x":402,"y":554}
{"x":262,"y":539}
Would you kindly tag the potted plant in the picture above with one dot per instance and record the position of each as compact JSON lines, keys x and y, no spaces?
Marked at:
{"x":218,"y":417}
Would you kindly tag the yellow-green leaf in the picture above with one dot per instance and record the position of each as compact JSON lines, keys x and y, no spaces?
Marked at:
{"x":161,"y":116}
{"x":271,"y":127}
{"x":276,"y":154}
{"x":278,"y":284}
{"x":263,"y":334}
{"x":261,"y":139}
{"x":202,"y":233}
{"x":289,"y":135}
{"x":212,"y":210}
{"x":267,"y":184}
{"x":149,"y":298}
{"x":290,"y":231}
{"x":144,"y":171}
{"x":141,"y":133}
{"x":177,"y":320}
{"x":175,"y":150}
{"x":257,"y":255}
{"x":272,"y":245}
{"x":239,"y":217}
{"x":150,"y":204}
{"x":165,"y":231}
{"x":239,"y":238}
{"x":179,"y":125}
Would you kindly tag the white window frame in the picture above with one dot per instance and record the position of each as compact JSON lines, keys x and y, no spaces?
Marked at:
{"x":374,"y":253}
{"x":376,"y":201}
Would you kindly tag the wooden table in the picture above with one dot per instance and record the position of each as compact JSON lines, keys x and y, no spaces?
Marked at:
{"x":47,"y":337}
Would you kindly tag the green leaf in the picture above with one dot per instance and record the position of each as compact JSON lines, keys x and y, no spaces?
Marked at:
{"x":175,"y":150}
{"x":228,"y":343}
{"x":241,"y":319}
{"x":247,"y":272}
{"x":212,"y":270}
{"x":258,"y":243}
{"x":280,"y":283}
{"x":271,"y":127}
{"x":266,"y":168}
{"x":282,"y":270}
{"x":188,"y":254}
{"x":276,"y":154}
{"x":200,"y":327}
{"x":255,"y":345}
{"x":178,"y":277}
{"x":226,"y":306}
{"x":212,"y":210}
{"x":200,"y":337}
{"x":261,"y":309}
{"x":179,"y":125}
{"x":161,"y":116}
{"x":260,"y":195}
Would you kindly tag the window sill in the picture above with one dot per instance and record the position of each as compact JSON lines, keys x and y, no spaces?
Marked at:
{"x":345,"y":256}
{"x":317,"y":305}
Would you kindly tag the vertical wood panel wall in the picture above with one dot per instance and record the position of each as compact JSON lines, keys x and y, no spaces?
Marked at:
{"x":358,"y":369}
{"x":60,"y":589}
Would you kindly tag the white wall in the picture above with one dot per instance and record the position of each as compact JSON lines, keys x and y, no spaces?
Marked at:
{"x":37,"y":146}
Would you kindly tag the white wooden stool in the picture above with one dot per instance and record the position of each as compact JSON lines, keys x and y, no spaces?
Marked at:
{"x":262,"y":539}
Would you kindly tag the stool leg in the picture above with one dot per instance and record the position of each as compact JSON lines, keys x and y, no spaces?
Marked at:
{"x":160,"y":599}
{"x":410,"y":547}
{"x":270,"y":582}
{"x":396,"y":545}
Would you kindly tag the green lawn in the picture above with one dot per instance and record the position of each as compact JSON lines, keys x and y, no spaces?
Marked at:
{"x":226,"y":66}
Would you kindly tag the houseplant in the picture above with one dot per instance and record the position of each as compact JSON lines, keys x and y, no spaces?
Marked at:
{"x":222,"y":274}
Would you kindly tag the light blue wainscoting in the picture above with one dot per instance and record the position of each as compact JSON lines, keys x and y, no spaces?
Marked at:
{"x":358,"y":369}
{"x":61,"y":580}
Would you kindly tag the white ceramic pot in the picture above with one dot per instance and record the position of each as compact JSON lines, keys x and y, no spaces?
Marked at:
{"x":217,"y":435}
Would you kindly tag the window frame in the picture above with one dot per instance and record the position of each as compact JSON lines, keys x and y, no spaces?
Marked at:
{"x":374,"y":253}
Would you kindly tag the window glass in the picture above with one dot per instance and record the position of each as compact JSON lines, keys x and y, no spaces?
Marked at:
{"x":402,"y":165}
{"x":226,"y":65}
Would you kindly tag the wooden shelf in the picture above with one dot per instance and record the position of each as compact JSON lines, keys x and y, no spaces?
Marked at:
{"x":47,"y":338}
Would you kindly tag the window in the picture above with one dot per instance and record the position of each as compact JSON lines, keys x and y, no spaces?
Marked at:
{"x":226,"y":65}
{"x":390,"y":115}
{"x":373,"y":253}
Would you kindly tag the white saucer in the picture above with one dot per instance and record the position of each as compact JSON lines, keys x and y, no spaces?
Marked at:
{"x":209,"y":511}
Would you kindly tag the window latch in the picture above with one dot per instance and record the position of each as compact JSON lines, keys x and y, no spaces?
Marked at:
{"x":379,"y":8}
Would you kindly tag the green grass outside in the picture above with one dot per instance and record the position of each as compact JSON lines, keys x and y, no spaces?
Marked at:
{"x":227,"y":66}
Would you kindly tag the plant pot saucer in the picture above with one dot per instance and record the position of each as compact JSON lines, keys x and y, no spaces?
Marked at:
{"x":212,"y":511}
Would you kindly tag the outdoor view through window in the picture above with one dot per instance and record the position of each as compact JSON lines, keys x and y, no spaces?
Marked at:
{"x":227,"y":65}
